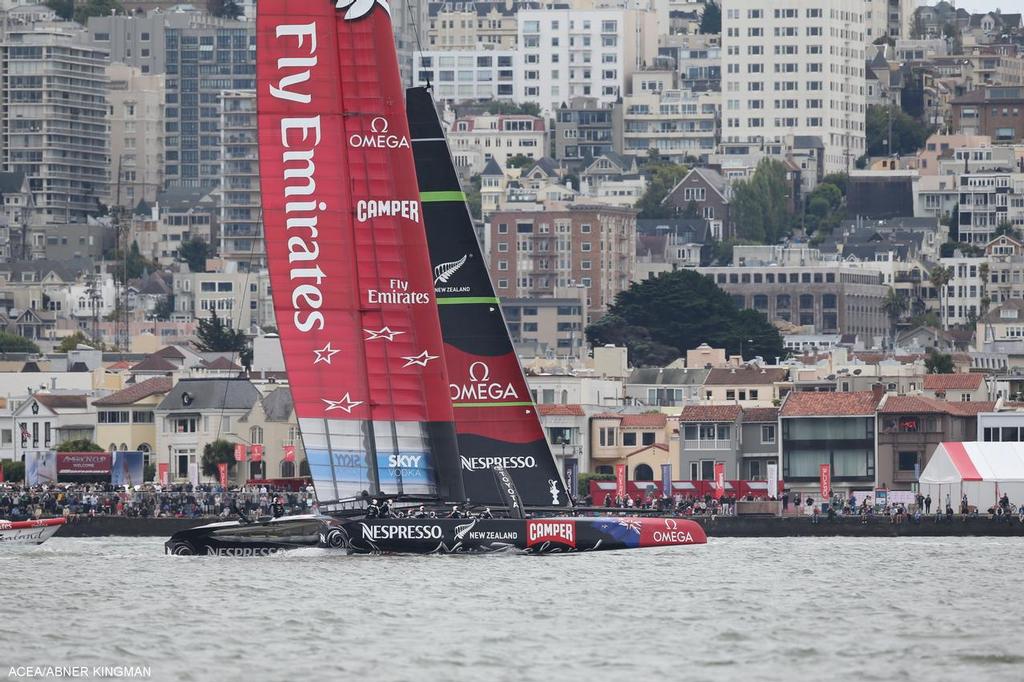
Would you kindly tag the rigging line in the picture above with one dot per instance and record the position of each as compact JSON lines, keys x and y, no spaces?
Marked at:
{"x":419,"y":45}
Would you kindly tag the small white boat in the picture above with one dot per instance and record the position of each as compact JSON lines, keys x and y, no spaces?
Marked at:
{"x":28,"y":532}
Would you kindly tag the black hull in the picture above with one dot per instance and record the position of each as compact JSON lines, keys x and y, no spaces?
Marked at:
{"x":436,"y":536}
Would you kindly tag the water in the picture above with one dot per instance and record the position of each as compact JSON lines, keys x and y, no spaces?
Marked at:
{"x":790,"y":609}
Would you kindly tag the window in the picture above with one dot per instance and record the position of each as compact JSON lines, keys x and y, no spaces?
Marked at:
{"x":647,"y":438}
{"x":907,"y":461}
{"x":767,"y":434}
{"x":643,"y":472}
{"x":607,"y":436}
{"x":629,"y":438}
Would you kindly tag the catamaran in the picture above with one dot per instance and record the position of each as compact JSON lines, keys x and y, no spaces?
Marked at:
{"x":404,"y":378}
{"x":34,"y":532}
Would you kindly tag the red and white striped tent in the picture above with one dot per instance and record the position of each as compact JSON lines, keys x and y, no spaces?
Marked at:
{"x":982,"y":471}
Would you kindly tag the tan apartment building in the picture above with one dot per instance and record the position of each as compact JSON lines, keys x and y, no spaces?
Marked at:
{"x":747,"y":386}
{"x":538,"y":254}
{"x":126,"y":419}
{"x":640,"y":441}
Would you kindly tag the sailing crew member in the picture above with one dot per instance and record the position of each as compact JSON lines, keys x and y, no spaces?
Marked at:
{"x":486,"y":513}
{"x":277,"y":509}
{"x":455,"y":513}
{"x":421,"y":513}
{"x":372,"y":509}
{"x":239,"y":512}
{"x":385,"y":509}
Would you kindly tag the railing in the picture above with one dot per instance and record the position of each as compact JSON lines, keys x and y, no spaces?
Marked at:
{"x":708,"y":444}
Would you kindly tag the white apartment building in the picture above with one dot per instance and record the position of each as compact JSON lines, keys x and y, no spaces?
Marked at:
{"x":964,"y":291}
{"x":241,"y":225}
{"x":892,"y":18}
{"x":475,"y":140}
{"x":987,"y":200}
{"x":659,"y":115}
{"x":795,"y":67}
{"x":565,"y":53}
{"x":136,"y":135}
{"x":480,"y":74}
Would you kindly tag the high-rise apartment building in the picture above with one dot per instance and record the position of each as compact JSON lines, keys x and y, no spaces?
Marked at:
{"x":136,"y":135}
{"x":565,"y":53}
{"x":241,"y":223}
{"x":795,"y":67}
{"x":53,"y":117}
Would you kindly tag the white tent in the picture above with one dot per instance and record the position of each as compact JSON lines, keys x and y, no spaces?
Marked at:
{"x":982,"y":471}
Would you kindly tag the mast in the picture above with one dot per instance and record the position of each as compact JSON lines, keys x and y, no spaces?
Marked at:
{"x":348,"y":260}
{"x":495,"y":417}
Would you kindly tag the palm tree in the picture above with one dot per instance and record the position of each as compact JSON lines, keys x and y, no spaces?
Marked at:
{"x":939,"y":278}
{"x":894,"y":306}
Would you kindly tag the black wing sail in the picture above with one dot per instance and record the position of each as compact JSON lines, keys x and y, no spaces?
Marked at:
{"x":495,"y":419}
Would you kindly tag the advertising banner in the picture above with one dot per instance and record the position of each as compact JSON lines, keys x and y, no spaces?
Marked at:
{"x":72,"y":463}
{"x":719,"y":479}
{"x":127,"y":468}
{"x":571,"y":470}
{"x":40,"y":467}
{"x":257,"y":453}
{"x":193,"y":473}
{"x":825,"y":480}
{"x":289,"y":453}
{"x":163,"y":473}
{"x":222,"y":469}
{"x":239,"y":452}
{"x":666,"y":480}
{"x":773,"y":480}
{"x":620,"y":480}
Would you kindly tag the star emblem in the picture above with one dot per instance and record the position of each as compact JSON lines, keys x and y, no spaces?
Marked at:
{"x":385,"y":333}
{"x":325,"y":354}
{"x":346,"y":403}
{"x":422,"y":359}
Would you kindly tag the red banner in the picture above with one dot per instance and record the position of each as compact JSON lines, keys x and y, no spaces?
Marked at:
{"x":1,"y":472}
{"x":83,"y":462}
{"x":239,"y":452}
{"x":620,"y":480}
{"x":163,"y":473}
{"x":719,"y":479}
{"x":289,"y":453}
{"x":222,"y":469}
{"x":257,"y":453}
{"x":825,"y":480}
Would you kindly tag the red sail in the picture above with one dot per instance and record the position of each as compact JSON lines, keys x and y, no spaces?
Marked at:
{"x":350,"y":270}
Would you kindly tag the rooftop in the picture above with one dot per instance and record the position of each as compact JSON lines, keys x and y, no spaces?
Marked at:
{"x":136,"y":392}
{"x":813,"y":404}
{"x":710,"y":413}
{"x":966,"y":381}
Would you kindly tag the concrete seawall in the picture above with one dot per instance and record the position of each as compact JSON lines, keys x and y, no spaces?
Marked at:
{"x":722,"y":527}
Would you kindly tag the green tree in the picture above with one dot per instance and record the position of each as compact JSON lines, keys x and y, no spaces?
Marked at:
{"x":473,"y":198}
{"x":939,"y":277}
{"x":1007,"y":228}
{"x":164,"y":308}
{"x":79,"y":445}
{"x":195,"y":251}
{"x":711,"y":19}
{"x":908,"y":134}
{"x":229,"y":9}
{"x":760,"y":204}
{"x":137,"y":266}
{"x":519,"y":161}
{"x":12,"y":343}
{"x":13,"y":471}
{"x":938,"y":363}
{"x":214,"y":335}
{"x":660,"y":318}
{"x":525,"y":108}
{"x":217,"y":452}
{"x":69,"y":343}
{"x":584,"y":484}
{"x":894,"y":306}
{"x":662,"y":176}
{"x":840,"y":180}
{"x":65,"y":9}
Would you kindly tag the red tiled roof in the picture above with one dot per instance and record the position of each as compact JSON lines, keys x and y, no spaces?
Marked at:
{"x":120,"y":364}
{"x":137,"y":392}
{"x":919,"y":404}
{"x":651,"y":419}
{"x":608,"y":415}
{"x":170,"y":352}
{"x":658,"y":446}
{"x":744,"y":376}
{"x":760,"y":414}
{"x":814,"y":404}
{"x":710,"y":413}
{"x":560,"y":410}
{"x":967,"y":381}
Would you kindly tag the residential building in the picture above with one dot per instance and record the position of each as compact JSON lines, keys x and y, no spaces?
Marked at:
{"x":681,"y":125}
{"x":469,"y":25}
{"x":567,"y":53}
{"x":795,"y":67}
{"x":987,"y":200}
{"x":583,"y":131}
{"x":547,"y":326}
{"x":467,"y":74}
{"x":475,"y":140}
{"x":241,"y":224}
{"x":704,"y":193}
{"x":957,"y":387}
{"x":137,"y":39}
{"x":759,"y":442}
{"x":747,"y":386}
{"x":698,"y":59}
{"x":996,"y":111}
{"x":667,"y":245}
{"x":126,"y":420}
{"x":16,"y":209}
{"x":234,"y":297}
{"x":540,"y":253}
{"x":839,"y":432}
{"x":640,"y":441}
{"x":665,"y":386}
{"x":271,"y":423}
{"x":567,"y":428}
{"x":45,"y":419}
{"x":911,"y":427}
{"x":60,"y":143}
{"x":708,"y":435}
{"x":136,"y":135}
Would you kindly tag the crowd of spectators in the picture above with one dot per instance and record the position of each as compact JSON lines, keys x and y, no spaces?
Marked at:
{"x":20,"y":502}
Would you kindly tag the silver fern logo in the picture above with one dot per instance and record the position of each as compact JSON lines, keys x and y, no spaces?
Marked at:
{"x":357,"y":9}
{"x":444,"y":271}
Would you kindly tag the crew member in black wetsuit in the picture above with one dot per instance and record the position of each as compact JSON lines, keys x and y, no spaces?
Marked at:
{"x":486,"y":513}
{"x":277,"y":509}
{"x":385,"y":509}
{"x":421,"y":513}
{"x":455,"y":513}
{"x":372,"y":509}
{"x":240,"y":512}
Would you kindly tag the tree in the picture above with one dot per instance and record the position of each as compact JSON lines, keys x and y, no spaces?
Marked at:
{"x":137,"y":266}
{"x":65,"y":9}
{"x":473,"y":198}
{"x":908,"y":134}
{"x":217,"y":452}
{"x":69,"y":343}
{"x":1007,"y":228}
{"x":840,"y":180}
{"x":939,"y":278}
{"x":195,"y":252}
{"x":229,"y":9}
{"x":12,"y":343}
{"x":519,"y":161}
{"x":894,"y":307}
{"x":662,"y":176}
{"x":13,"y":471}
{"x":711,"y":19}
{"x":214,"y":335}
{"x":164,"y":308}
{"x":525,"y":108}
{"x":79,"y":445}
{"x":661,"y":318}
{"x":760,"y":204}
{"x":938,"y":363}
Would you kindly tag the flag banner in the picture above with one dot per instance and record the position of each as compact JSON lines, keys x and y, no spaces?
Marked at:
{"x":571,"y":469}
{"x":289,"y":453}
{"x":222,"y":469}
{"x":719,"y":479}
{"x":666,"y":480}
{"x":257,"y":453}
{"x":825,"y":480}
{"x":239,"y":452}
{"x":620,"y":480}
{"x":773,"y":480}
{"x":193,"y":473}
{"x":163,"y":473}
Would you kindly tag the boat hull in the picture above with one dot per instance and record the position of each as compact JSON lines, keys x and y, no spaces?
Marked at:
{"x":28,"y":532}
{"x":438,"y":536}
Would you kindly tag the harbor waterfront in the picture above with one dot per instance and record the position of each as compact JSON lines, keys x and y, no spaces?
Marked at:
{"x":862,"y":608}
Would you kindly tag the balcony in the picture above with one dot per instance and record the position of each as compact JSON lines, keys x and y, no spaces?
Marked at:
{"x":708,"y":444}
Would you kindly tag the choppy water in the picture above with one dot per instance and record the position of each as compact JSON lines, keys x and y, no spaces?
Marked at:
{"x":793,"y":609}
